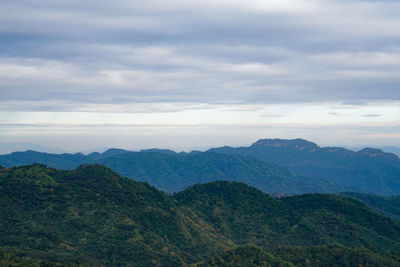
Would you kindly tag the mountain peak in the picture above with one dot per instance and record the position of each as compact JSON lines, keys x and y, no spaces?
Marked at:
{"x":298,"y":143}
{"x":108,"y":153}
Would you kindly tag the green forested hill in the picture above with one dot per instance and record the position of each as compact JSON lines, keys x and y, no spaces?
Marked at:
{"x":94,"y":216}
{"x":246,"y":215}
{"x":322,"y":256}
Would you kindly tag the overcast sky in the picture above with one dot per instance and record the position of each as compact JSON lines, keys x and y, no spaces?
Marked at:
{"x":183,"y":74}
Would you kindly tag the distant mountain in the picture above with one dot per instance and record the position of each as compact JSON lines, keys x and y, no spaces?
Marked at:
{"x":173,"y":172}
{"x":64,"y":161}
{"x":368,"y":170}
{"x":9,"y":147}
{"x":60,"y":161}
{"x":108,"y":153}
{"x":95,"y":217}
{"x":272,"y":165}
{"x":392,"y":149}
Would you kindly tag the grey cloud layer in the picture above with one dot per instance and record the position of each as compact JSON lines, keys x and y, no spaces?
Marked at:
{"x":125,"y":52}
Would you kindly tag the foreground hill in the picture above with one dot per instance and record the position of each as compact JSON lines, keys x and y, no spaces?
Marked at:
{"x":246,"y":215}
{"x":172,"y":172}
{"x":366,"y":171}
{"x":94,"y":216}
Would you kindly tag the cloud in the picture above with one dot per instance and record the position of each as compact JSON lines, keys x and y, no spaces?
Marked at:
{"x":271,"y":115}
{"x":128,"y":56}
{"x":371,"y":115}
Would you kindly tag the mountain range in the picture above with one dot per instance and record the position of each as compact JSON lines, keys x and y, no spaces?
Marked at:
{"x":366,"y":171}
{"x":272,"y":165}
{"x":92,"y":216}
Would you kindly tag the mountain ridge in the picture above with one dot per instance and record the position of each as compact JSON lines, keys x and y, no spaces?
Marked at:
{"x":174,"y":172}
{"x":312,"y":168}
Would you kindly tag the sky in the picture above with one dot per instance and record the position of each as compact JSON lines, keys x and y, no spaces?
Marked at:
{"x":193,"y":74}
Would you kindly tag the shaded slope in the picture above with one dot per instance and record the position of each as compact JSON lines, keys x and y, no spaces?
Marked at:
{"x":332,"y":219}
{"x":246,"y":215}
{"x":389,"y":206}
{"x":368,"y":170}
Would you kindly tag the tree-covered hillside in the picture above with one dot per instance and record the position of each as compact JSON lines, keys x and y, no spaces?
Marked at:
{"x":95,"y":217}
{"x":389,"y":206}
{"x":246,"y":215}
{"x":92,"y":215}
{"x":321,"y":256}
{"x":246,"y":255}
